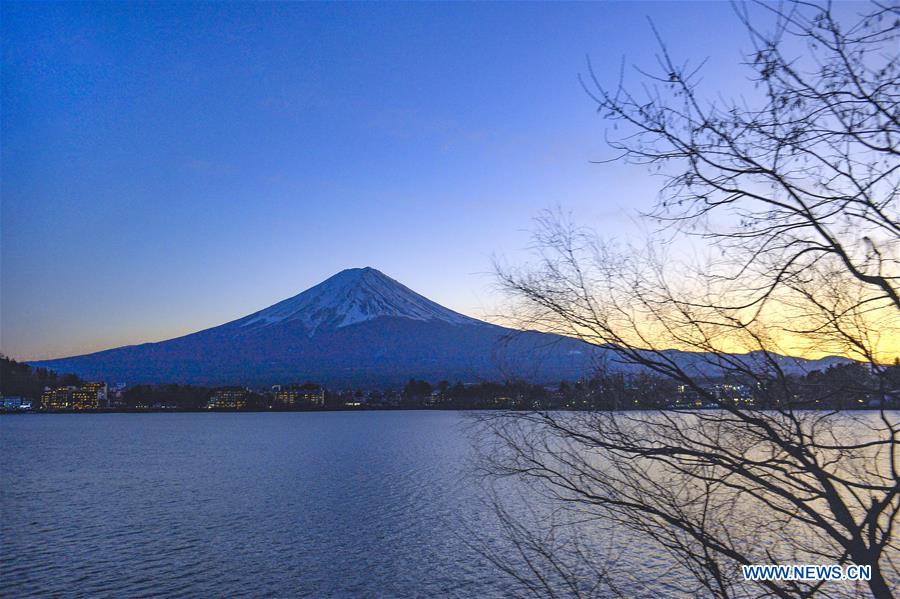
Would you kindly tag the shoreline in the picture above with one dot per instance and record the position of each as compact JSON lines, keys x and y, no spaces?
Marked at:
{"x":399,"y":409}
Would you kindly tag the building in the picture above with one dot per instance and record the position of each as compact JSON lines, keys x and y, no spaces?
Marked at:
{"x":736,"y":395}
{"x":57,"y":399}
{"x":295,"y":396}
{"x":115,"y":396}
{"x":14,"y":404}
{"x":89,"y":396}
{"x":228,"y":398}
{"x":688,"y":397}
{"x":285,"y":396}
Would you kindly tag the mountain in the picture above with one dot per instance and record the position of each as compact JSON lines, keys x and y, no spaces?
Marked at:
{"x":350,"y":297}
{"x":358,"y":328}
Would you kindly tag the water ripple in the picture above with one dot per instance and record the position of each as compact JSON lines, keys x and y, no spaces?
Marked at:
{"x":262,"y":505}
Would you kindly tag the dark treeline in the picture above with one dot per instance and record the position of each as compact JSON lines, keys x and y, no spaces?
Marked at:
{"x":17,"y":379}
{"x":184,"y":397}
{"x":845,"y":386}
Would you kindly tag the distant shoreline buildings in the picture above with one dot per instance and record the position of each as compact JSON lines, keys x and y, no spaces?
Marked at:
{"x":89,"y":396}
{"x":610,"y":395}
{"x":841,"y":387}
{"x":291,"y":396}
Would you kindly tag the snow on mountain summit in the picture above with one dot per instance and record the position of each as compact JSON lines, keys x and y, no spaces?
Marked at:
{"x":352,"y":296}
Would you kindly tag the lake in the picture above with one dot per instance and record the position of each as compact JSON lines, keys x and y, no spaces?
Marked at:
{"x":195,"y":504}
{"x":319,"y":504}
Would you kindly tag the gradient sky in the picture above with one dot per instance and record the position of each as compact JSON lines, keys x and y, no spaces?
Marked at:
{"x":166,"y":168}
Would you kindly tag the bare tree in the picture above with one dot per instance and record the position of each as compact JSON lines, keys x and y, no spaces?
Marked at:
{"x":810,"y":173}
{"x":803,"y":187}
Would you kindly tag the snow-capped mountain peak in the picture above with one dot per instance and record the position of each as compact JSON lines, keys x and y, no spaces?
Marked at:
{"x":352,"y":296}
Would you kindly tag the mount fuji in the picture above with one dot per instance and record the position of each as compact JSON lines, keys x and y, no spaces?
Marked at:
{"x":357,"y":328}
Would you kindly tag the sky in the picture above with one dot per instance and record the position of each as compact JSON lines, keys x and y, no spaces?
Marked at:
{"x":171,"y":167}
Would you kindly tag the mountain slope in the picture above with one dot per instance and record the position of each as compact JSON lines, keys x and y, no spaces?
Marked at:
{"x":357,"y":328}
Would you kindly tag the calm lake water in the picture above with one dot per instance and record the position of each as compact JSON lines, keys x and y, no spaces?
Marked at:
{"x":319,"y":504}
{"x":288,"y":504}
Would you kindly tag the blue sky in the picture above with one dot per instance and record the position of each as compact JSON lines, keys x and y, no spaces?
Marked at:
{"x":166,"y":168}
